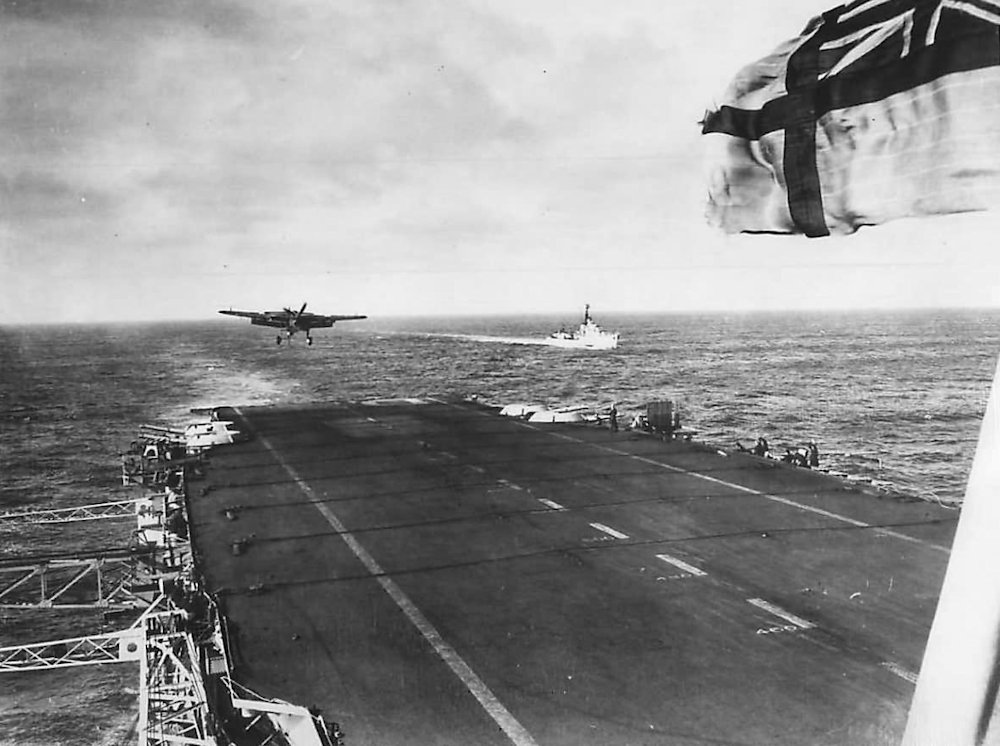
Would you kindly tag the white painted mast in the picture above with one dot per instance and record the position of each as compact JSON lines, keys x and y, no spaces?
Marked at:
{"x":956,"y":696}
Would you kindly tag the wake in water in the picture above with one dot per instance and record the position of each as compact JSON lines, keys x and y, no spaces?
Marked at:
{"x":538,"y":341}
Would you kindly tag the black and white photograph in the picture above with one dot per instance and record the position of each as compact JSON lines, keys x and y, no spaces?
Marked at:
{"x":499,"y":373}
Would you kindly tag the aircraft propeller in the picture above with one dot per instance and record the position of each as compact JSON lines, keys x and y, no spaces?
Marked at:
{"x":293,"y":316}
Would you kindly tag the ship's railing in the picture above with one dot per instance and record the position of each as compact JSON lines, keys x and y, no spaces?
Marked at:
{"x":94,"y":512}
{"x":173,"y":707}
{"x":104,"y":582}
{"x":114,"y":647}
{"x":113,"y":577}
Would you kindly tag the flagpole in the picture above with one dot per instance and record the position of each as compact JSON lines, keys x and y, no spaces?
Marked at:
{"x":956,"y":692}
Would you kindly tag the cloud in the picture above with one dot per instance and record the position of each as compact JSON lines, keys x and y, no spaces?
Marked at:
{"x":202,"y":143}
{"x":229,"y":121}
{"x":218,"y":17}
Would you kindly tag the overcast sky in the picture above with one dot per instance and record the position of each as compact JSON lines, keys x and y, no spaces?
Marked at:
{"x":167,"y":159}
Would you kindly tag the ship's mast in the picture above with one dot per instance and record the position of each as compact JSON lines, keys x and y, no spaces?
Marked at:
{"x":586,"y":314}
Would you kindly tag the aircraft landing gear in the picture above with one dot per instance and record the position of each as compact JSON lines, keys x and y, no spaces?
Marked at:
{"x":277,"y":340}
{"x":309,"y":341}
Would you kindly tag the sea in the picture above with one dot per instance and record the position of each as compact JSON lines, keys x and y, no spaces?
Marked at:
{"x":894,"y":401}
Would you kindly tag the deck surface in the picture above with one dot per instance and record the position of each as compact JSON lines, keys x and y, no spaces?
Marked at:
{"x":433,"y":573}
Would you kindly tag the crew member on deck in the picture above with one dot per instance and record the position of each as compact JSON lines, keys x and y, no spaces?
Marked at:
{"x":813,"y":454}
{"x":761,"y":448}
{"x":613,"y":418}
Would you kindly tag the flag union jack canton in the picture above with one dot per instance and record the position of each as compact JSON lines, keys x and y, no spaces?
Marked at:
{"x":878,"y":110}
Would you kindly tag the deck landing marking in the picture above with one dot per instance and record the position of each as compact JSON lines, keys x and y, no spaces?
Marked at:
{"x":682,"y":565}
{"x":749,"y":490}
{"x":550,"y":503}
{"x":476,"y":686}
{"x":609,"y":531}
{"x":900,"y":671}
{"x":780,"y":613}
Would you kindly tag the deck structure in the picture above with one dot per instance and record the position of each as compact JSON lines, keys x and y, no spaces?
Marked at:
{"x":430,"y":572}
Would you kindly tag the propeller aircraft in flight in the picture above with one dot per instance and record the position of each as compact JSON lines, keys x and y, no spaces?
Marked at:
{"x":290,"y":321}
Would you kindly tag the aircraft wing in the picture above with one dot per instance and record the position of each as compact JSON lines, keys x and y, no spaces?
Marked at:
{"x":245,"y":314}
{"x":291,"y":320}
{"x":343,"y":318}
{"x":277,"y":319}
{"x":318,"y":321}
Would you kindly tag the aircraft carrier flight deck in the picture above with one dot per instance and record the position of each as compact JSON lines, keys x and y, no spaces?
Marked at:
{"x":429,"y":572}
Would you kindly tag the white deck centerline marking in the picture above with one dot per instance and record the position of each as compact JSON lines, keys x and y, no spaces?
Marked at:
{"x":476,"y":686}
{"x":550,"y":503}
{"x":751,"y":491}
{"x":900,"y":671}
{"x":679,"y":563}
{"x":780,"y":613}
{"x":609,"y":531}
